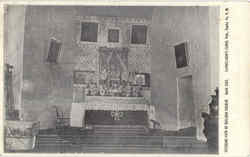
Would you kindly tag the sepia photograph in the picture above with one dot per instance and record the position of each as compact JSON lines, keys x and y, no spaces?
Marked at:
{"x":111,"y":79}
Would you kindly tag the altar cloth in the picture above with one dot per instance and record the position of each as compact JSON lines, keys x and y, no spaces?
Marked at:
{"x":107,"y":103}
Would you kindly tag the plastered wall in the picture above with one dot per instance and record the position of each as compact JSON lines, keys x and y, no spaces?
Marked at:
{"x":171,"y":26}
{"x":47,"y":85}
{"x":14,"y":21}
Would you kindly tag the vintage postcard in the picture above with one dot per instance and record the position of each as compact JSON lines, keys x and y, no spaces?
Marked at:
{"x":119,"y":79}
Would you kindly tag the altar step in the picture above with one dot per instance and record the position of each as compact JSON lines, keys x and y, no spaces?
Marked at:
{"x":120,"y":130}
{"x":98,"y":140}
{"x":162,"y":145}
{"x":117,"y":143}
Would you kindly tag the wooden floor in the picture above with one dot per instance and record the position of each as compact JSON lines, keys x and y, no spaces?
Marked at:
{"x":116,"y":140}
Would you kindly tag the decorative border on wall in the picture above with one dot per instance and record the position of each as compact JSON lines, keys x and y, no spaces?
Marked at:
{"x":83,"y":77}
{"x":114,"y":19}
{"x":139,"y":61}
{"x":87,"y":61}
{"x":109,"y":22}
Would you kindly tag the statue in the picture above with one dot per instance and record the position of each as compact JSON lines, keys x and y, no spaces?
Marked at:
{"x":211,"y":123}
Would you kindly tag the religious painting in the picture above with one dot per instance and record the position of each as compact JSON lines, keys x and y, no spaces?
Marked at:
{"x":89,"y":31}
{"x":113,"y":65}
{"x":181,"y":55}
{"x":54,"y":50}
{"x":84,"y":77}
{"x":139,"y":34}
{"x":113,"y":35}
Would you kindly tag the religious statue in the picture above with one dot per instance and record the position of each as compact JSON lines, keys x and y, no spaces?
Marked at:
{"x":211,"y":123}
{"x":93,"y":89}
{"x":104,"y":74}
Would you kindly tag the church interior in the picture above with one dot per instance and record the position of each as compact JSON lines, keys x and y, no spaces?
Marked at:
{"x":110,"y":78}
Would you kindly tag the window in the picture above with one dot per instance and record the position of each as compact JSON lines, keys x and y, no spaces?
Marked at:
{"x":89,"y":31}
{"x":113,"y":35}
{"x":181,"y":55}
{"x":54,"y":50}
{"x":139,"y":34}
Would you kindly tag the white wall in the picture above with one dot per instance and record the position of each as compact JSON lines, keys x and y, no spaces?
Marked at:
{"x":171,"y":26}
{"x":13,"y":47}
{"x":214,"y":47}
{"x":48,"y":86}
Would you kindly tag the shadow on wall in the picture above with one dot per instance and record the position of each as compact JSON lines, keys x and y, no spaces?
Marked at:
{"x":47,"y":118}
{"x":53,"y":88}
{"x":46,"y":114}
{"x":167,"y":117}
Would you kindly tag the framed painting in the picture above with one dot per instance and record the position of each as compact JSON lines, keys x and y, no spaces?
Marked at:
{"x":181,"y":55}
{"x":54,"y":50}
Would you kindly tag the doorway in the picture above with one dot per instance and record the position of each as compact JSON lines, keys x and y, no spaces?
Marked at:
{"x":186,"y":108}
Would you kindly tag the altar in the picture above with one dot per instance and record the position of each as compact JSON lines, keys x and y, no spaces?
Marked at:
{"x":107,"y":110}
{"x":113,"y":94}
